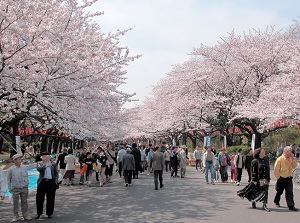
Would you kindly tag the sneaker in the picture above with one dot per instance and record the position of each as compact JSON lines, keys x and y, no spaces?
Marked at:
{"x":277,"y":205}
{"x":27,"y":218}
{"x":81,"y":183}
{"x":126,"y":185}
{"x":15,"y":219}
{"x":238,"y":183}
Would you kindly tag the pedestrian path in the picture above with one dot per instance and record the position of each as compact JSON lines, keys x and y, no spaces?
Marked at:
{"x":182,"y":200}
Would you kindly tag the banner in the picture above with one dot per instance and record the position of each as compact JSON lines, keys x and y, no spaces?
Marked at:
{"x":18,"y":145}
{"x":207,"y":141}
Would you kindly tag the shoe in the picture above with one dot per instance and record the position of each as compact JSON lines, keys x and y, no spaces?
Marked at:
{"x":277,"y":205}
{"x":207,"y":182}
{"x":68,"y":184}
{"x":37,"y":217}
{"x":161,"y":186}
{"x":27,"y":218}
{"x":213,"y":183}
{"x":81,"y":183}
{"x":15,"y":219}
{"x":126,"y":185}
{"x":50,"y":216}
{"x":265,"y":208}
{"x":238,"y":184}
{"x":292,"y":208}
{"x":156,"y":188}
{"x":72,"y":184}
{"x":253,"y":205}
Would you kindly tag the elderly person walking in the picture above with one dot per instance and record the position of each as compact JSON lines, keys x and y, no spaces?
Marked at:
{"x":17,"y":180}
{"x":157,"y":163}
{"x":128,"y":166}
{"x":182,"y":154}
{"x":47,"y":185}
{"x":283,"y":168}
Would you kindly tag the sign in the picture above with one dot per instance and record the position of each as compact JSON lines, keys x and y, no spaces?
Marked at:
{"x":207,"y":141}
{"x":253,"y":142}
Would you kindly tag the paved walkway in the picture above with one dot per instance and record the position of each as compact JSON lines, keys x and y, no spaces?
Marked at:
{"x":181,"y":200}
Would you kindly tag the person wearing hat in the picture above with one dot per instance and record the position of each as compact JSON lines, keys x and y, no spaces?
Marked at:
{"x":17,"y":180}
{"x":47,"y":185}
{"x":128,"y":166}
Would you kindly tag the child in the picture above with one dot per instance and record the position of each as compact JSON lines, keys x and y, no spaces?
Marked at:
{"x":89,"y":162}
{"x":232,"y":170}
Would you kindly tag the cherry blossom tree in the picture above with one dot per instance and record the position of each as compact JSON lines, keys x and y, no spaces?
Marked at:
{"x":58,"y":68}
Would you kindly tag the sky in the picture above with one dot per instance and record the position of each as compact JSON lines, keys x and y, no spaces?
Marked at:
{"x":166,"y":31}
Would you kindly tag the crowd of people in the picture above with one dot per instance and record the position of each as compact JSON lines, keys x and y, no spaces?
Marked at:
{"x":131,"y":160}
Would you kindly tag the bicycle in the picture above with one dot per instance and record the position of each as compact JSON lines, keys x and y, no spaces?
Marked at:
{"x":296,"y":176}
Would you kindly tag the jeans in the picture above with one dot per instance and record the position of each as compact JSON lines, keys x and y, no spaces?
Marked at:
{"x":224,"y":173}
{"x":210,"y":167}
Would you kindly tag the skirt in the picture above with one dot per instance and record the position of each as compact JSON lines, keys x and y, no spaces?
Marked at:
{"x":254,"y":193}
{"x":69,"y":174}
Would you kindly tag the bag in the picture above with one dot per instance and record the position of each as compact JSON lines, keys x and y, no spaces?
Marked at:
{"x":263,"y":182}
{"x":209,"y":161}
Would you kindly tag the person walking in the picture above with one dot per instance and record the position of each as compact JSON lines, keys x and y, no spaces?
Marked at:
{"x":70,"y":161}
{"x":167,"y":156}
{"x":128,"y":166}
{"x":208,"y":164}
{"x":157,"y":163}
{"x":257,"y":189}
{"x":174,"y":161}
{"x":17,"y":181}
{"x":183,"y":157}
{"x":61,"y":163}
{"x":89,"y":171}
{"x":46,"y":185}
{"x":101,"y":166}
{"x":224,"y":162}
{"x":197,"y":156}
{"x":111,"y":159}
{"x":283,"y":168}
{"x":3,"y":184}
{"x":137,"y":158}
{"x":82,"y":156}
{"x":239,"y":165}
{"x":120,"y":155}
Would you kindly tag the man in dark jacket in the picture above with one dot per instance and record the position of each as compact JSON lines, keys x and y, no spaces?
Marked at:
{"x":128,"y":166}
{"x":61,"y":162}
{"x":174,"y":162}
{"x":137,"y":158}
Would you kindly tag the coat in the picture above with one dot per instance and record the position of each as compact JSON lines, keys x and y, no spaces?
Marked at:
{"x":41,"y":168}
{"x":157,"y":161}
{"x":128,"y":162}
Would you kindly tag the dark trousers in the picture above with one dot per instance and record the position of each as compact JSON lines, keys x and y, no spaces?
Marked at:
{"x":136,"y":171}
{"x":120,"y":168}
{"x":198,"y":164}
{"x":249,"y":174}
{"x":167,"y":164}
{"x":128,"y":176}
{"x":224,"y":174}
{"x":97,"y":176}
{"x":287,"y":185}
{"x":158,"y":176}
{"x":47,"y":188}
{"x":239,"y":172}
{"x":174,"y":170}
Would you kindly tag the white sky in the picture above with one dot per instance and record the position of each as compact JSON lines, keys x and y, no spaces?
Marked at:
{"x":166,"y":31}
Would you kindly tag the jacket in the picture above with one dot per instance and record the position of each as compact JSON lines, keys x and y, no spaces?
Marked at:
{"x":128,"y":162}
{"x":41,"y":168}
{"x":157,"y":161}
